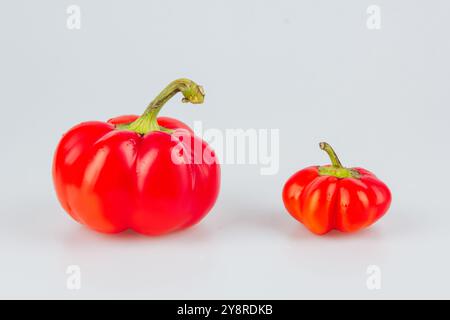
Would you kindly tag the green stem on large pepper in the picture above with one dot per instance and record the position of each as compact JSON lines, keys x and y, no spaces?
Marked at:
{"x":147,"y":122}
{"x":336,"y":169}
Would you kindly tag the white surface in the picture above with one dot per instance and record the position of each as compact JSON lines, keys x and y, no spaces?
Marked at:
{"x":312,"y":70}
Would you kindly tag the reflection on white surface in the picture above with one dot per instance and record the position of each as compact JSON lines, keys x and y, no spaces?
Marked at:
{"x":252,"y":253}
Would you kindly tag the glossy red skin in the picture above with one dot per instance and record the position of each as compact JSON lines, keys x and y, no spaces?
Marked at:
{"x":323,"y":203}
{"x":112,"y":180}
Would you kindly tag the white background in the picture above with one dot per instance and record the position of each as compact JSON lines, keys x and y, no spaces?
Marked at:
{"x":311,"y":69}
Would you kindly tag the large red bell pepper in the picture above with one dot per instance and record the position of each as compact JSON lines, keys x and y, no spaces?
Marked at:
{"x":333,"y":197}
{"x":143,"y":173}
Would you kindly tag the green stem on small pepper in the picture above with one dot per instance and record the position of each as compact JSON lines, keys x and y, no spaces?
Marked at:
{"x":336,"y":169}
{"x":333,"y":156}
{"x":147,"y":122}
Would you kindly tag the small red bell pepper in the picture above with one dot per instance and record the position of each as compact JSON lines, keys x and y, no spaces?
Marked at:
{"x":333,"y":197}
{"x":121,"y":174}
